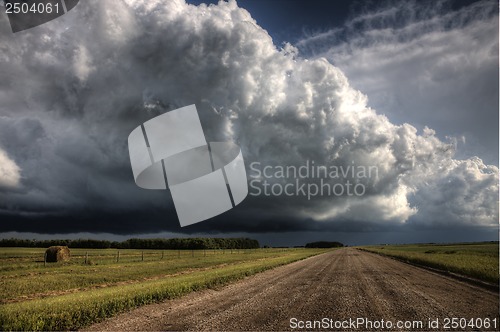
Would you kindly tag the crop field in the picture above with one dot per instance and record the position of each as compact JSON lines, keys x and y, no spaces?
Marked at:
{"x":98,"y":283}
{"x":475,"y":260}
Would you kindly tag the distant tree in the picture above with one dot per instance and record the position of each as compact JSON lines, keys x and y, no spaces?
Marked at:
{"x":324,"y":244}
{"x":134,"y":243}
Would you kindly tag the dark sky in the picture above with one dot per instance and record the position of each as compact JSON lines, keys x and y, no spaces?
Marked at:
{"x":408,"y":87}
{"x":289,"y":20}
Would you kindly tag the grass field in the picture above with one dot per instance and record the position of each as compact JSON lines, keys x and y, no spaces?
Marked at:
{"x":476,"y":260}
{"x":97,"y":284}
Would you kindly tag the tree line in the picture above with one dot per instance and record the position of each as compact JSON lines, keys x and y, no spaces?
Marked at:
{"x":173,"y":244}
{"x":324,"y":244}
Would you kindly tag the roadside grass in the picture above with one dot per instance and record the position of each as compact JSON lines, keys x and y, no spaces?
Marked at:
{"x":76,"y":310}
{"x":475,"y":260}
{"x":23,"y":275}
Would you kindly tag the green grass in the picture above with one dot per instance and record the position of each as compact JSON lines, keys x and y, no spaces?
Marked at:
{"x":129,"y":284}
{"x":476,"y":260}
{"x":22,"y":276}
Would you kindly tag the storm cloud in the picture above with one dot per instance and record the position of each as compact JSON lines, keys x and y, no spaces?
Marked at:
{"x":424,"y":63}
{"x":74,"y":88}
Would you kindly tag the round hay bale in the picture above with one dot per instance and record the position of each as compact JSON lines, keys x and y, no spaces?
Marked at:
{"x":57,"y":254}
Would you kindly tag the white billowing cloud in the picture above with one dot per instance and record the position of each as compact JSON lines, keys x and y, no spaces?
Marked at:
{"x":10,"y":173}
{"x":424,"y":64}
{"x":83,"y":64}
{"x":464,"y":192}
{"x":121,"y":62}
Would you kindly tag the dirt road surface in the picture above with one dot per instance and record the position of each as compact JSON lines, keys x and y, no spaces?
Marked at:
{"x":340,"y":285}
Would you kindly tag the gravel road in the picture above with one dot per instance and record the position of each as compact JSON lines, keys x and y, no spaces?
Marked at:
{"x":340,"y":285}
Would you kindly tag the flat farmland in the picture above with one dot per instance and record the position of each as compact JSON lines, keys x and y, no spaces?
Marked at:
{"x":222,"y":290}
{"x":339,"y":286}
{"x":474,"y":260}
{"x":99,"y":283}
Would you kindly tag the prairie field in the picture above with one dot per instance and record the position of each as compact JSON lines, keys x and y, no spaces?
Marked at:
{"x":99,"y":283}
{"x":475,"y":260}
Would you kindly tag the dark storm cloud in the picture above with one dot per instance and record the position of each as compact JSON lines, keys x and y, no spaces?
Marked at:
{"x":165,"y":220}
{"x":74,"y":88}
